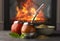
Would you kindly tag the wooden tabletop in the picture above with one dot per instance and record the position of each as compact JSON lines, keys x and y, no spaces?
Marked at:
{"x":4,"y":36}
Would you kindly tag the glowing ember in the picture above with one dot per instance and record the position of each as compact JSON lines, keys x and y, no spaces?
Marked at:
{"x":27,"y":12}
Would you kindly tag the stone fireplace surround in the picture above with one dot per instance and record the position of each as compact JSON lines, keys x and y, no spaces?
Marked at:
{"x":1,"y":14}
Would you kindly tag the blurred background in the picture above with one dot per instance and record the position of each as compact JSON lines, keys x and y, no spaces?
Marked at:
{"x":4,"y":13}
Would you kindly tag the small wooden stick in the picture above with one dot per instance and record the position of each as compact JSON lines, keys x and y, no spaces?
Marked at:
{"x":36,"y":13}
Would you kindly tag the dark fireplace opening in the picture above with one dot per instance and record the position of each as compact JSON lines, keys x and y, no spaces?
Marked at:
{"x":7,"y":17}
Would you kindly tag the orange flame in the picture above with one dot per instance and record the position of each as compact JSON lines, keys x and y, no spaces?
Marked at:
{"x":27,"y":12}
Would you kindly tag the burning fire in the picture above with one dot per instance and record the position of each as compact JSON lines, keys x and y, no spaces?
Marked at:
{"x":27,"y":12}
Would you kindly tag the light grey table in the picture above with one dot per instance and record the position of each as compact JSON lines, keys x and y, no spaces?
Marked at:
{"x":4,"y":36}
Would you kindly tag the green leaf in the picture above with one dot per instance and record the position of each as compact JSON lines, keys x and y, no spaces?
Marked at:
{"x":15,"y":35}
{"x":22,"y":36}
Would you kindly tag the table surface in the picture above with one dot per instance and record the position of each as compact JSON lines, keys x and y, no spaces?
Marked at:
{"x":4,"y":36}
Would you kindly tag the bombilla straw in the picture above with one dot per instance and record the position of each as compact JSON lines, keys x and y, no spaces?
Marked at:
{"x":36,"y":13}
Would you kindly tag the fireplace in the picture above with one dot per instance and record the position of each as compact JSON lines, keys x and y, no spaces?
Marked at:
{"x":49,"y":15}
